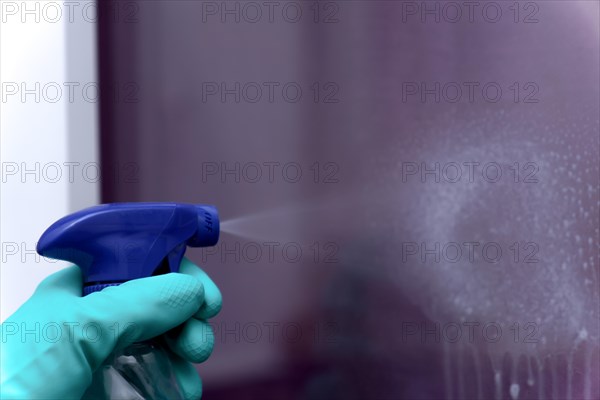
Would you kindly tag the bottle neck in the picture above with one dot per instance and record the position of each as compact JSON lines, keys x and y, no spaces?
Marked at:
{"x":88,"y":289}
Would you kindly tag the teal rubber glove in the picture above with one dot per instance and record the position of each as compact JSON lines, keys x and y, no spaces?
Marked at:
{"x":53,"y":343}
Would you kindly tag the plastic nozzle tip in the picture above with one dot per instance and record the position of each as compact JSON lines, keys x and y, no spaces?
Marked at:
{"x":208,"y":227}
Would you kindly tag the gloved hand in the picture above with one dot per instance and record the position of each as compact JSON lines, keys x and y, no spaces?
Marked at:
{"x":53,"y":343}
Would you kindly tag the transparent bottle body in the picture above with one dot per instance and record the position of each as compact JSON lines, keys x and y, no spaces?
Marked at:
{"x":141,"y":371}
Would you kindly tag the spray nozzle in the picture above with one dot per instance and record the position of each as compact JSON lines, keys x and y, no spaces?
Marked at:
{"x":115,"y":243}
{"x":207,"y":233}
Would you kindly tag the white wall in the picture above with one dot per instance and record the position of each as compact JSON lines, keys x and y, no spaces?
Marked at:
{"x":45,"y":47}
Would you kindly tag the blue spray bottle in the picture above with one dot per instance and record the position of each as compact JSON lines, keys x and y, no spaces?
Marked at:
{"x":115,"y":243}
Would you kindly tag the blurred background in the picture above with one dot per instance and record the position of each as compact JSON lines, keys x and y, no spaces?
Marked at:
{"x":409,"y":190}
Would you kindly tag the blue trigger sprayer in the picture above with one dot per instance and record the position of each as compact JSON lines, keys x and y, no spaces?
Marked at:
{"x":115,"y":243}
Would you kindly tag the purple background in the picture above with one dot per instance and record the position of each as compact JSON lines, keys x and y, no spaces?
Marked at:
{"x":361,"y":317}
